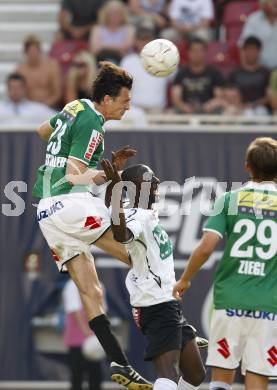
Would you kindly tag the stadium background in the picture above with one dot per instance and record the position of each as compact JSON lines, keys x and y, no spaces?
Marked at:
{"x":177,"y":148}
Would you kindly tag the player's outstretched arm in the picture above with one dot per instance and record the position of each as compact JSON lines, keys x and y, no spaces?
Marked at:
{"x":198,"y":257}
{"x":114,"y":197}
{"x":45,"y":130}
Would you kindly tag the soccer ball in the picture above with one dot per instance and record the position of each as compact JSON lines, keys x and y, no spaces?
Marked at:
{"x":160,"y":57}
{"x":92,"y":349}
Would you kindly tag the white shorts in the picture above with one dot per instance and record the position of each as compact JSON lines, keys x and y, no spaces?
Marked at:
{"x":245,"y":336}
{"x":71,"y":223}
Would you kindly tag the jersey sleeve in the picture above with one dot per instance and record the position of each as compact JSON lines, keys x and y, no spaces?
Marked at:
{"x":53,"y":121}
{"x":85,"y":142}
{"x":134,"y":223}
{"x":217,"y":221}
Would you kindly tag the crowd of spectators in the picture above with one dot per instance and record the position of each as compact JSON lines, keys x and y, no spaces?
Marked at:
{"x":92,"y":31}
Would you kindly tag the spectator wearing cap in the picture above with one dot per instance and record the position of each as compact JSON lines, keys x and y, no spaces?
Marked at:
{"x":251,"y":77}
{"x":112,"y":37}
{"x":42,"y":74}
{"x":76,"y":18}
{"x":192,"y":18}
{"x":196,"y":84}
{"x":148,"y":92}
{"x":263,"y":25}
{"x":17,"y":109}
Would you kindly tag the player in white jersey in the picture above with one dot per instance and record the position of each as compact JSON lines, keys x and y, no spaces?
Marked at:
{"x":170,"y":340}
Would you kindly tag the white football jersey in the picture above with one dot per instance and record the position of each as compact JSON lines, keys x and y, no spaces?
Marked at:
{"x":151,"y":278}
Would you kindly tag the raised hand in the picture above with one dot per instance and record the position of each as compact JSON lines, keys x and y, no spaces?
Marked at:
{"x":111,"y":171}
{"x":120,"y":157}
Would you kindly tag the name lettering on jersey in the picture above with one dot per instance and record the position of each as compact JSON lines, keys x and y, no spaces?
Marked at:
{"x":256,"y":314}
{"x":55,"y":161}
{"x":255,"y":268}
{"x":74,"y":107}
{"x":94,"y":141}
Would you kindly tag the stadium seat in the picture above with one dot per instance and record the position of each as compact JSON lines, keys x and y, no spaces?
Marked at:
{"x":64,"y":52}
{"x":234,"y":16}
{"x":223,"y":56}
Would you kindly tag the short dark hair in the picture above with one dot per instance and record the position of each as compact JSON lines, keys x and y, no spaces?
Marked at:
{"x":17,"y":77}
{"x":252,"y":40}
{"x":261,"y":156}
{"x":109,"y":81}
{"x":31,"y":40}
{"x":195,"y":41}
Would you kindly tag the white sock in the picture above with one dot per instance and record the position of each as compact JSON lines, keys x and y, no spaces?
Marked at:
{"x":183,"y":385}
{"x":164,"y":384}
{"x":219,"y":386}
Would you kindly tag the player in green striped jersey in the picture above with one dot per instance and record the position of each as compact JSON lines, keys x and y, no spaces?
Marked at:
{"x":70,"y":217}
{"x":244,"y":322}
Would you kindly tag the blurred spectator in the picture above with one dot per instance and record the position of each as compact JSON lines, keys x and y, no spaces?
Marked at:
{"x":80,"y":77}
{"x":75,"y":333}
{"x":232,"y":101}
{"x":272,"y":92}
{"x":197,"y":84}
{"x":17,"y":110}
{"x":263,"y":25}
{"x":192,"y":18}
{"x":153,"y":9}
{"x":42,"y":74}
{"x":148,"y":92}
{"x":112,"y":37}
{"x":76,"y":17}
{"x":251,"y":78}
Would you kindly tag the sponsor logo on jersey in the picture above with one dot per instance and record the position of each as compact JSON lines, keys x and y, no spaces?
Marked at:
{"x":48,"y":212}
{"x":94,"y":141}
{"x":256,"y":314}
{"x":272,"y":352}
{"x":73,"y":108}
{"x":55,"y":161}
{"x":223,"y":348}
{"x":257,"y":203}
{"x":252,"y":268}
{"x":93,"y":222}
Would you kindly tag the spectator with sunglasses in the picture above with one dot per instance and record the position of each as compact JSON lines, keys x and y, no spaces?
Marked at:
{"x":80,"y":77}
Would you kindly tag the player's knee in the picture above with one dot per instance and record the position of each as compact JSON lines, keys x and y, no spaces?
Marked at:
{"x":92,"y":293}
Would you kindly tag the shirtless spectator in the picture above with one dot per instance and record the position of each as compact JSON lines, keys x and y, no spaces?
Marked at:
{"x":76,"y":17}
{"x":197,"y":84}
{"x":42,"y":74}
{"x":251,"y":78}
{"x":192,"y":18}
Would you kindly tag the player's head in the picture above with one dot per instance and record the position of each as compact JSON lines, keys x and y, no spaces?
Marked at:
{"x":146,"y":185}
{"x":261,"y":159}
{"x":111,"y":90}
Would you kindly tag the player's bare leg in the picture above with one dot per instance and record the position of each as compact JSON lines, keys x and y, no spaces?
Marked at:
{"x":220,"y":377}
{"x":82,"y":271}
{"x":191,"y":365}
{"x":167,"y":370}
{"x":255,"y":381}
{"x":108,"y":244}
